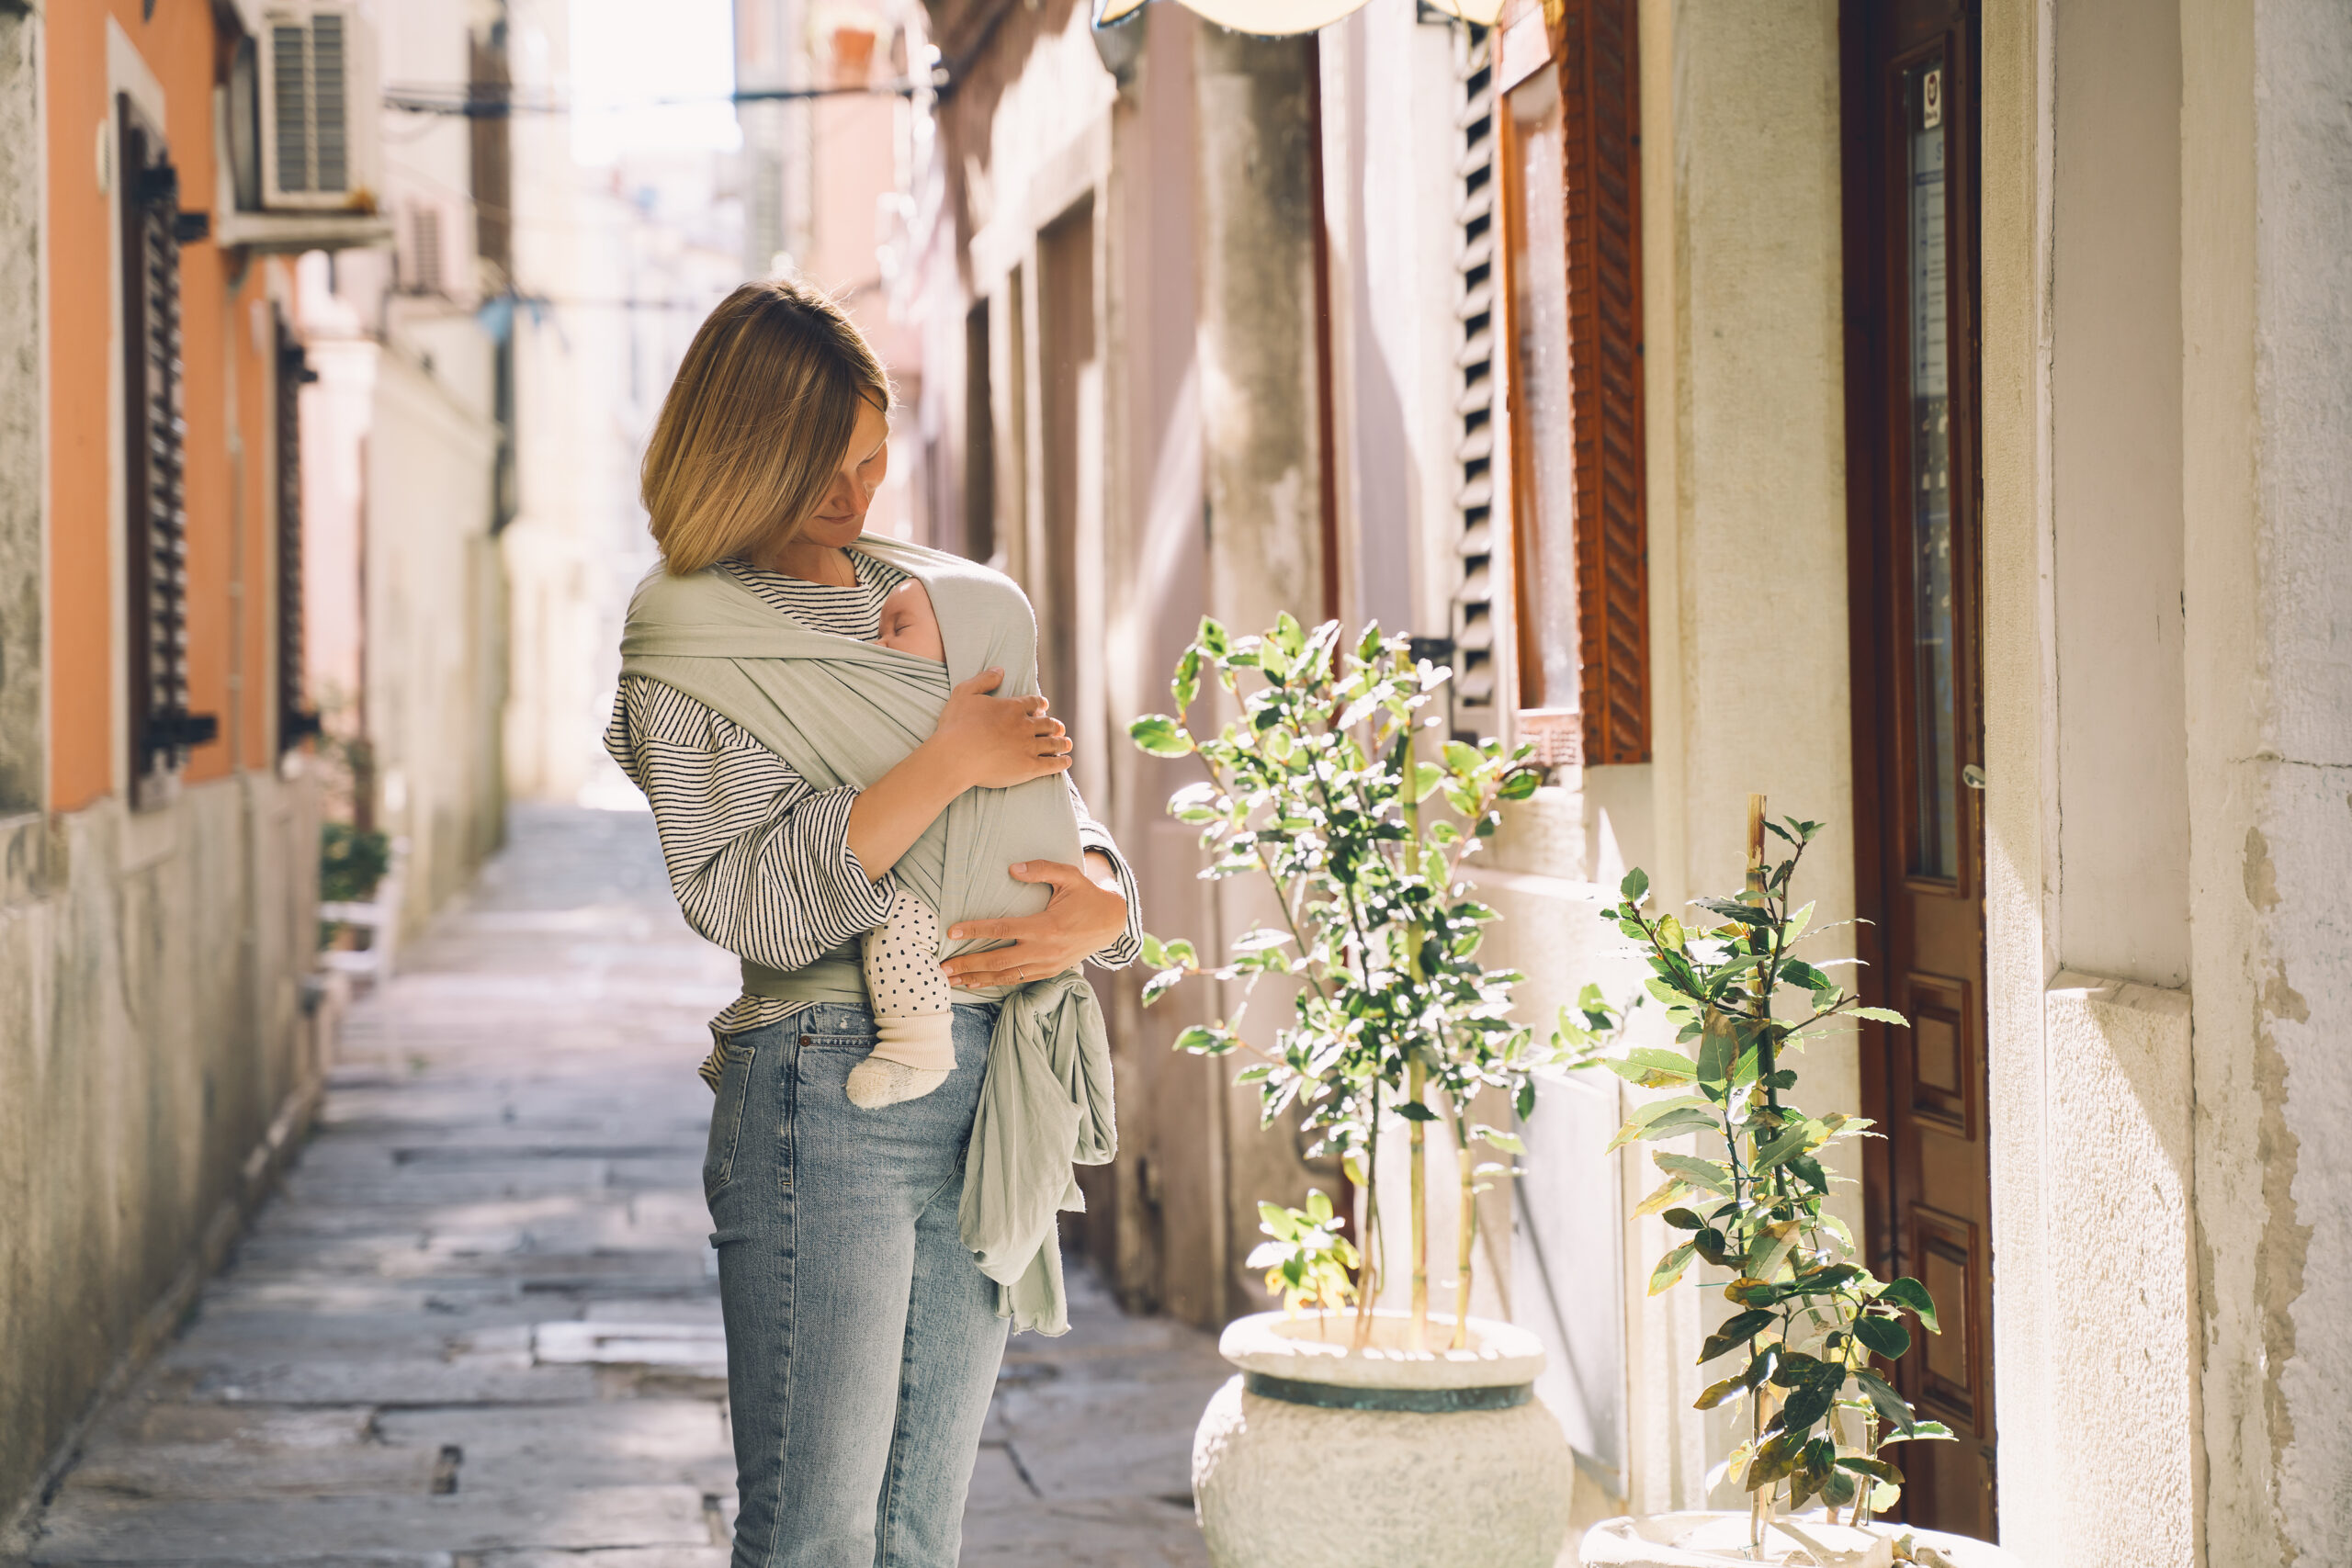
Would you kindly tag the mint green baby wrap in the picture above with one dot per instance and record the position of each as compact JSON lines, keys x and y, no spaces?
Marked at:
{"x":845,"y":713}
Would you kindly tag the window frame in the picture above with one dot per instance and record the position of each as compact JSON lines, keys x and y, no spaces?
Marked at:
{"x":1592,"y":47}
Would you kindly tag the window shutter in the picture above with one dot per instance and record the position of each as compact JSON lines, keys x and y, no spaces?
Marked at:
{"x":1476,"y":692}
{"x":296,"y":719}
{"x":1599,"y":86}
{"x":162,"y":728}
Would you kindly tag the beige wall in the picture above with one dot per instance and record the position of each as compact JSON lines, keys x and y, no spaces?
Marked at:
{"x":436,"y":615}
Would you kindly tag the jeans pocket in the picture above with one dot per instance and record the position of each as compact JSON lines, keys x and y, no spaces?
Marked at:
{"x":727,"y":1116}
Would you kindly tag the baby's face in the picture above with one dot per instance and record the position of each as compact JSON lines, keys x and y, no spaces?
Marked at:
{"x":908,"y":623}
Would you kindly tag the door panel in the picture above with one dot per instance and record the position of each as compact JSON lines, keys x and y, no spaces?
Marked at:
{"x":1911,"y":119}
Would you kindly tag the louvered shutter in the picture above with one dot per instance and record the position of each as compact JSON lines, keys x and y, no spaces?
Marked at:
{"x":1602,"y":176}
{"x":296,"y":719}
{"x":162,"y":729}
{"x":1476,"y":687}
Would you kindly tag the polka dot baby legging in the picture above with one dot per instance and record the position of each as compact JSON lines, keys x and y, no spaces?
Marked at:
{"x":913,"y":1019}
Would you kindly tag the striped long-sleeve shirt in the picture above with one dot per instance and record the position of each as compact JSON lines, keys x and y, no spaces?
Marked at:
{"x":758,"y":857}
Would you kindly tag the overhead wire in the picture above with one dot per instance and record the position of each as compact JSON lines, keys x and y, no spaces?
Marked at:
{"x":471,"y":102}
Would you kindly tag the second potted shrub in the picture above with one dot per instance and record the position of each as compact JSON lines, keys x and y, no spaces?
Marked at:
{"x":1798,"y":1351}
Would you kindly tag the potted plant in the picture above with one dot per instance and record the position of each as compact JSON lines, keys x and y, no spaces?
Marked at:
{"x":1325,"y":785}
{"x":1809,"y":1322}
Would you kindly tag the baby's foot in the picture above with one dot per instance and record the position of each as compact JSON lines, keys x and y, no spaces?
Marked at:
{"x":878,"y":1081}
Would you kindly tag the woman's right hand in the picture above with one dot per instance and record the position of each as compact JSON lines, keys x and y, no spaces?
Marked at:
{"x":998,"y":742}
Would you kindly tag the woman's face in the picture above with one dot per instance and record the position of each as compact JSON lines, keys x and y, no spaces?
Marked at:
{"x":841,"y":516}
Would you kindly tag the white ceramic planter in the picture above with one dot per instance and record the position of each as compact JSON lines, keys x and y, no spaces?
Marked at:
{"x":1719,"y":1541}
{"x":1319,"y":1456}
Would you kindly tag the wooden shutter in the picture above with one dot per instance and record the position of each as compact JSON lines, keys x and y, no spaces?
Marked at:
{"x":1599,"y":80}
{"x":1477,"y":690}
{"x":296,"y":719}
{"x":154,"y":426}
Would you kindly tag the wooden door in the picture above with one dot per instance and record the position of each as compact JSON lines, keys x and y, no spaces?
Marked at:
{"x":1911,"y":130}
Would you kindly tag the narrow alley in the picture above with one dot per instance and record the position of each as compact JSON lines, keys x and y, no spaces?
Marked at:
{"x":479,"y":1325}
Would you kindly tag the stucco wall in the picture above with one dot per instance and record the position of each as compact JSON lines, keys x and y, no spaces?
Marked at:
{"x":2033,"y":1442}
{"x":22,"y":473}
{"x":155,"y":1062}
{"x":2266,"y":200}
{"x":2087,"y":821}
{"x":2122,"y":1331}
{"x":2238,"y":1256}
{"x":1743,"y":317}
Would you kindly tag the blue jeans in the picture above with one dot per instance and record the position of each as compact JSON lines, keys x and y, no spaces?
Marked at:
{"x":862,"y":1340}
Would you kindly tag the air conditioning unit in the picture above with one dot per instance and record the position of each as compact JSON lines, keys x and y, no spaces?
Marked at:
{"x":428,"y":253}
{"x":318,"y":109}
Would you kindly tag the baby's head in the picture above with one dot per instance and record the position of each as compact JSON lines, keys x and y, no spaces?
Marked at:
{"x":908,"y":623}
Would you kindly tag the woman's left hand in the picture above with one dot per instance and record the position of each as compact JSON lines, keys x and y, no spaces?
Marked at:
{"x":1084,"y":917}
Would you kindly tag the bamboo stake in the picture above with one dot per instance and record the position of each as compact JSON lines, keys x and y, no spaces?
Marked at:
{"x":1756,"y":843}
{"x":1468,"y":1233}
{"x":1416,"y":1073}
{"x":1417,"y":1083}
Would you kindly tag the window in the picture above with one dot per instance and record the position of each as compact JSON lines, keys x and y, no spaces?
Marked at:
{"x":1477,"y":694}
{"x":296,"y":719}
{"x":162,"y":729}
{"x":1570,"y":181}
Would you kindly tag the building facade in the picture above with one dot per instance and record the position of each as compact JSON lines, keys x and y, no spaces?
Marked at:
{"x":156,"y":1054}
{"x":198,"y":555}
{"x":1929,"y":414}
{"x":408,"y":426}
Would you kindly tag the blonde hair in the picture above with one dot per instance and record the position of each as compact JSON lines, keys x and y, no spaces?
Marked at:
{"x":756,"y":425}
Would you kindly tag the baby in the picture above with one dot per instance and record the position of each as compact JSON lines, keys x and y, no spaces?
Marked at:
{"x":912,"y":1017}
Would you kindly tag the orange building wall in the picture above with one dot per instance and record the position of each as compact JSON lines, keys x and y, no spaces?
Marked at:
{"x":226,"y":375}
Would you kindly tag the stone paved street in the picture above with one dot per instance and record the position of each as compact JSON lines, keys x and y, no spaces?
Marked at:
{"x":479,"y":1326}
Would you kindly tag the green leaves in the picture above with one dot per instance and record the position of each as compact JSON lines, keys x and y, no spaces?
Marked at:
{"x":1719,"y":1050}
{"x":1306,"y":1258}
{"x":1160,"y":735}
{"x":1670,"y":1121}
{"x":1712,"y":1175}
{"x":1892,"y":1407}
{"x":1186,"y":685}
{"x":1796,"y":1138}
{"x":1649,"y":1068}
{"x":1908,"y":1293}
{"x":1882,"y":1015}
{"x":1882,"y":1334}
{"x":1735,"y":1330}
{"x":1669,"y":1267}
{"x":1203,"y":1041}
{"x":1645,"y":1117}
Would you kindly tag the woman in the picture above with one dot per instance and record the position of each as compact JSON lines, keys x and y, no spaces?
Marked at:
{"x":863,"y":1338}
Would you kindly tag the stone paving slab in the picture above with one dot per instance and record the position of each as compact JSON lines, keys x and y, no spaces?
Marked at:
{"x":276,"y":1530}
{"x":479,"y":1326}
